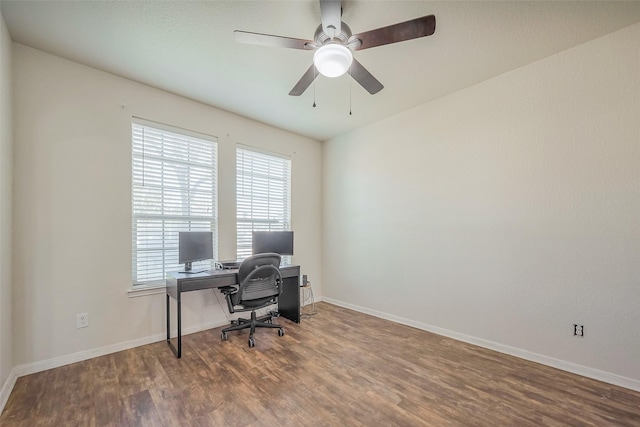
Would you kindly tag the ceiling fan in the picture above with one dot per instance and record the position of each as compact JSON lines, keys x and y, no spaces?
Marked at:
{"x":333,"y":44}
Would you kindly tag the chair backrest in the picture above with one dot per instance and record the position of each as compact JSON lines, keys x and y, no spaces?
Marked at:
{"x":259,"y":277}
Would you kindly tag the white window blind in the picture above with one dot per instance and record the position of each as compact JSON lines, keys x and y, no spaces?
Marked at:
{"x":174,"y":189}
{"x":263,"y":192}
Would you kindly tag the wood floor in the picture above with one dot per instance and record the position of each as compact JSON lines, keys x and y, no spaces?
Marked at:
{"x":337,"y":368}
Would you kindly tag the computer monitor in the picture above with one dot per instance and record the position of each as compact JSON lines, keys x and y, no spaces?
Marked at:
{"x":194,"y":246}
{"x":280,"y":242}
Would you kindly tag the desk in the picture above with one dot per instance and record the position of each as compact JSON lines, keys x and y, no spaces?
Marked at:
{"x":177,"y":283}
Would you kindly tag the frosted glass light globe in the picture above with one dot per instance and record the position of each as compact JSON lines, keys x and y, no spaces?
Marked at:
{"x":332,"y":60}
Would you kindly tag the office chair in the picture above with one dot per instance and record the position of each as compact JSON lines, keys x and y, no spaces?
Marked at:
{"x":260,"y":284}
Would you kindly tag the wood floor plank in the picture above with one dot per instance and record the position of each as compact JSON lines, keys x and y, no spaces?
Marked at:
{"x":336,"y":368}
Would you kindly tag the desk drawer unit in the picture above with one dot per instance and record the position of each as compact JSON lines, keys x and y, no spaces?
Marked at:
{"x":197,"y":284}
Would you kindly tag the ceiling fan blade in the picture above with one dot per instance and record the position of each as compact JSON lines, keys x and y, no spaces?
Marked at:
{"x":331,"y":15}
{"x":304,"y":81}
{"x":413,"y":29}
{"x":365,"y":78}
{"x":274,"y":41}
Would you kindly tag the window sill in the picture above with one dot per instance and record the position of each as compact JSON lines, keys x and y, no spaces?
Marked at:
{"x":143,"y":291}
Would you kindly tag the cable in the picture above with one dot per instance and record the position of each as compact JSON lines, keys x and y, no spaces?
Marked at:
{"x":308,"y":290}
{"x":224,"y":307}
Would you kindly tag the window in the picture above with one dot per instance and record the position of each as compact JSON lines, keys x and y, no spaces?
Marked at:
{"x":263,"y":192}
{"x":174,"y":189}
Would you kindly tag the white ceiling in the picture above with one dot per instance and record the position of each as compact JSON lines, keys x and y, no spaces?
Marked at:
{"x":188,"y":48}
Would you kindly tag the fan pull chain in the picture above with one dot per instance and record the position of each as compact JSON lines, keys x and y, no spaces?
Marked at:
{"x":350,"y":87}
{"x":314,"y":87}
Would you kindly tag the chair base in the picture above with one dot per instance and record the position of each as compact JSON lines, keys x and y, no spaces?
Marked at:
{"x":252,"y":324}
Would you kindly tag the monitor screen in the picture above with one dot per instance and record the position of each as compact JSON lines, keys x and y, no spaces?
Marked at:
{"x":195,"y":246}
{"x":280,"y":242}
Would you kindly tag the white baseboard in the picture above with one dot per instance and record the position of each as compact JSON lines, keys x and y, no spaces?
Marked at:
{"x":43,"y":365}
{"x":6,"y":389}
{"x":584,"y":371}
{"x":32,"y":368}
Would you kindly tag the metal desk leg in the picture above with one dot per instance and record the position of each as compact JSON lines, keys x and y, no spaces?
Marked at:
{"x":176,"y":351}
{"x":168,"y":321}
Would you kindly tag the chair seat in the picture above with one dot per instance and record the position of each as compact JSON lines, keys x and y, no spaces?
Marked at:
{"x":259,"y":303}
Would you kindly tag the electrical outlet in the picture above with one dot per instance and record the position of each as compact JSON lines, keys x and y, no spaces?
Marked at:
{"x":82,"y":320}
{"x":578,"y":330}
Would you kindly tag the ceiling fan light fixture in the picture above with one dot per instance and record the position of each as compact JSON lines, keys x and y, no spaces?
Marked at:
{"x":332,"y":60}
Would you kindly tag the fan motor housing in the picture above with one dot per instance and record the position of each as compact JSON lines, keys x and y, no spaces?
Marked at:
{"x":320,"y":37}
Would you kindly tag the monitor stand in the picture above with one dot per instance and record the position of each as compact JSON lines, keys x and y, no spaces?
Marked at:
{"x":188,"y":270}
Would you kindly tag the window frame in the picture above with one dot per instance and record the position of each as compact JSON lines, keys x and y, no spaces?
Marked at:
{"x":281,"y":190}
{"x":160,"y":163}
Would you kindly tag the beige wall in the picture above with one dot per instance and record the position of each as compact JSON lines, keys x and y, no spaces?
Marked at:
{"x":6,"y":168}
{"x":73,"y":205}
{"x":504,"y":213}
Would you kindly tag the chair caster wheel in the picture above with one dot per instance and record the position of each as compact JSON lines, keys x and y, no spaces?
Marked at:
{"x":280,"y":332}
{"x":224,"y":336}
{"x":252,"y":342}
